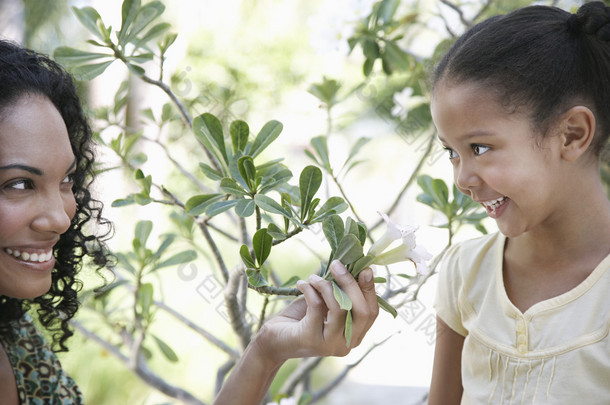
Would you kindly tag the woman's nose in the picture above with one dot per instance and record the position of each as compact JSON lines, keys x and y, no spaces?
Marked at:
{"x":55,"y":213}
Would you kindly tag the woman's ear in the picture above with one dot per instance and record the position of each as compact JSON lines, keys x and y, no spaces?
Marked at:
{"x":577,"y":132}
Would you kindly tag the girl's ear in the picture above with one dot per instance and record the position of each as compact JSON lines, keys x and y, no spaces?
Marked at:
{"x":577,"y":132}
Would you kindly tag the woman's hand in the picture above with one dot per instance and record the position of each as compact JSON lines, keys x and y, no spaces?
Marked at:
{"x":312,"y":325}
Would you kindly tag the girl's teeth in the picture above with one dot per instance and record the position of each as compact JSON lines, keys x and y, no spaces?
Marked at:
{"x":494,"y":204}
{"x":30,"y":257}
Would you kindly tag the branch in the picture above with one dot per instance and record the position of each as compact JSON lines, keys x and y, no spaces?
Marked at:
{"x":235,"y":308}
{"x":177,"y":164}
{"x":140,"y":369}
{"x":304,"y":368}
{"x":205,"y":334}
{"x":413,"y":177}
{"x":337,"y":380}
{"x":221,"y":373}
{"x":206,"y":234}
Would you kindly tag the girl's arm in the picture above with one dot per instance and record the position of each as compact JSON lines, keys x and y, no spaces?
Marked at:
{"x":446,"y":387}
{"x":312,"y":325}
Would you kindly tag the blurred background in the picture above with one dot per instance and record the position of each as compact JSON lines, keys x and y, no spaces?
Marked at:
{"x":256,"y":61}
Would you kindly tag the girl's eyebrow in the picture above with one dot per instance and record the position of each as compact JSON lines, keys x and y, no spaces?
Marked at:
{"x":31,"y":169}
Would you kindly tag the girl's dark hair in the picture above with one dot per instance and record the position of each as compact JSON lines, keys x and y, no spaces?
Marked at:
{"x":26,"y":72}
{"x":540,"y":57}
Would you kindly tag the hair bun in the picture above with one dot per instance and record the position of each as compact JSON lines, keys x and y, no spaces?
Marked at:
{"x":593,"y":19}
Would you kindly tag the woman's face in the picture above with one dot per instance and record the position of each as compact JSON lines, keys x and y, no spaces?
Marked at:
{"x":36,"y":199}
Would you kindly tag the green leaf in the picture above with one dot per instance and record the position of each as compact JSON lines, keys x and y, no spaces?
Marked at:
{"x":70,"y":56}
{"x":208,"y":130}
{"x":356,"y":148}
{"x":129,"y":11}
{"x":326,"y":91}
{"x":122,"y":202}
{"x":383,"y":304}
{"x":209,"y":172}
{"x":147,"y":14}
{"x":220,"y":207}
{"x":197,"y":205}
{"x":290,"y":282}
{"x":145,"y":299}
{"x":348,"y":328}
{"x":320,"y":145}
{"x":269,"y":133}
{"x":379,"y":280}
{"x":89,"y":72}
{"x":333,"y":229}
{"x":262,"y":243}
{"x":349,"y":249}
{"x":341,"y":297}
{"x":143,"y":230}
{"x":246,"y":257}
{"x":247,"y":170}
{"x":309,"y":183}
{"x":239,"y":131}
{"x":89,"y":17}
{"x":245,"y":207}
{"x":396,"y":57}
{"x":367,"y":67}
{"x":361,"y":264}
{"x":270,"y":205}
{"x":154,"y":32}
{"x":334,"y":205}
{"x":386,"y":11}
{"x":178,"y":258}
{"x":256,"y":278}
{"x":230,"y":186}
{"x":167,"y":351}
{"x":275,"y":232}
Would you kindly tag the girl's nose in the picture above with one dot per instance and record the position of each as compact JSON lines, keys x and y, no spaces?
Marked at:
{"x":55,"y":214}
{"x":466,"y":178}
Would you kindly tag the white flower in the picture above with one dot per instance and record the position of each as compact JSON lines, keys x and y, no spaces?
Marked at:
{"x":407,"y":250}
{"x":392,"y":233}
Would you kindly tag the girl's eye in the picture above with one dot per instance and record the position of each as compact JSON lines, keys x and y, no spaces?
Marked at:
{"x":452,"y":153}
{"x":479,"y":149}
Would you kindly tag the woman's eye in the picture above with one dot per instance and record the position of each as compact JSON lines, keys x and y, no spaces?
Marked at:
{"x":69,"y":179}
{"x":22,"y":184}
{"x":479,"y":149}
{"x":452,"y":153}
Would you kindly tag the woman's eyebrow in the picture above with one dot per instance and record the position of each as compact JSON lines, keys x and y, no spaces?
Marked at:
{"x":31,"y":169}
{"x":26,"y":168}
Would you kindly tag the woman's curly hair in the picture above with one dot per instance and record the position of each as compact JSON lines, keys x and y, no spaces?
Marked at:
{"x":26,"y":72}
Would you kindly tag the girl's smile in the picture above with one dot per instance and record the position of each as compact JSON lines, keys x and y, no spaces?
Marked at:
{"x":498,"y":158}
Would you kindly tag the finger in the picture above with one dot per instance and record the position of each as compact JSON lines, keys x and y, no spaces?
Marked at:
{"x":316,"y":308}
{"x":335,"y":317}
{"x":365,"y":321}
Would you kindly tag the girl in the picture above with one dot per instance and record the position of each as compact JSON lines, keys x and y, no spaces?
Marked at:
{"x":46,"y":210}
{"x":521,"y":103}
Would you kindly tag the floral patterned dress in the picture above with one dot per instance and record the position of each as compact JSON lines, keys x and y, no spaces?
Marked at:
{"x":38,"y":373}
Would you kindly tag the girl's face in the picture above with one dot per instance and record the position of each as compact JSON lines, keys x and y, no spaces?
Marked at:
{"x":498,"y":159}
{"x":36,"y":199}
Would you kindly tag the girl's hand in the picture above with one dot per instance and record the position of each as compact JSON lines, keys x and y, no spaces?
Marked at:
{"x":314,"y":324}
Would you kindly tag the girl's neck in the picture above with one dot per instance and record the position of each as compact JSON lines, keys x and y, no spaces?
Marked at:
{"x":581,"y":232}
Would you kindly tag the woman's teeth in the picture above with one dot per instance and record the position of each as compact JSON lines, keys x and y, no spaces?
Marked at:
{"x":494,"y":204}
{"x":30,"y":257}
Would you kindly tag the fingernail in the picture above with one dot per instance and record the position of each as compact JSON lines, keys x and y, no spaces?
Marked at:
{"x":314,"y":277}
{"x":300,"y":283}
{"x":338,"y":267}
{"x":367,"y":274}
